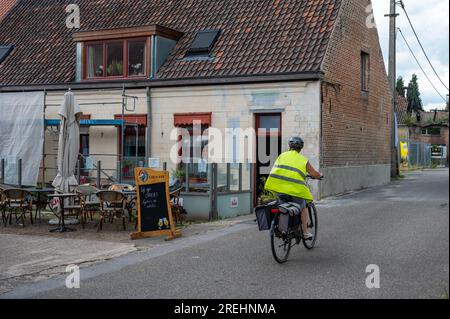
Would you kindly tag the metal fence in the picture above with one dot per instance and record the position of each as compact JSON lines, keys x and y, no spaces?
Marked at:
{"x":415,"y":154}
{"x":97,"y":175}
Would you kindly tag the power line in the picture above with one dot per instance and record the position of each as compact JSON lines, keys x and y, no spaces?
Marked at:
{"x":410,"y":50}
{"x":420,"y":43}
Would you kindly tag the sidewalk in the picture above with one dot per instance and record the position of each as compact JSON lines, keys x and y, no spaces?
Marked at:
{"x":32,"y":254}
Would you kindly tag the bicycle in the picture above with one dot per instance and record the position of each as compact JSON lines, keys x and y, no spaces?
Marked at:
{"x":284,"y":240}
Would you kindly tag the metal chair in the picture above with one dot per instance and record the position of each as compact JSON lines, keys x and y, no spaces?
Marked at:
{"x":174,"y":192}
{"x":112,"y":206}
{"x":175,"y":205}
{"x":40,"y":201}
{"x":130,"y":201}
{"x":121,"y":187}
{"x":75,"y":205}
{"x":3,"y":206}
{"x":18,"y":202}
{"x":90,"y":202}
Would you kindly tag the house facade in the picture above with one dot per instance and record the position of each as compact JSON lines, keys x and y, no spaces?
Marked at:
{"x":308,"y":68}
{"x":429,"y":129}
{"x":403,"y":118}
{"x":433,"y":129}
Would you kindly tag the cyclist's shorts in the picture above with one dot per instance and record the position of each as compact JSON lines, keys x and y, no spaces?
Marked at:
{"x":289,"y":198}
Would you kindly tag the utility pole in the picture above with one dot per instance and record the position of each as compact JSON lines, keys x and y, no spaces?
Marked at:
{"x":392,"y":78}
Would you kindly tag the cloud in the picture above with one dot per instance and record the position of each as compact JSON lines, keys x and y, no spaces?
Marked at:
{"x":431,"y":21}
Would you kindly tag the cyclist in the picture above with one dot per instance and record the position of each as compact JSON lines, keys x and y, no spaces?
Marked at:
{"x":287,"y":179}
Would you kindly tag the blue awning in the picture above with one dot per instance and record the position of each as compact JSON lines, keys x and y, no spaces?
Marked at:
{"x":89,"y":122}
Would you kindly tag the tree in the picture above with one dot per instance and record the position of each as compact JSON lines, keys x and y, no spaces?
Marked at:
{"x":400,"y":86}
{"x":413,"y":97}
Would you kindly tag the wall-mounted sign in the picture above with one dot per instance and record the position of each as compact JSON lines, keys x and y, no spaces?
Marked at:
{"x":234,"y":202}
{"x":153,"y":205}
{"x":439,"y":151}
{"x":89,"y":163}
{"x":202,"y":166}
{"x":153,"y":162}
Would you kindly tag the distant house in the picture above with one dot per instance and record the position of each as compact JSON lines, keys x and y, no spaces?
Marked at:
{"x":308,"y":68}
{"x":403,"y":118}
{"x":430,"y":127}
{"x":433,"y":129}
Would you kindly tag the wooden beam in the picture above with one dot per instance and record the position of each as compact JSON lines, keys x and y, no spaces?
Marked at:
{"x":121,"y":33}
{"x":133,"y":84}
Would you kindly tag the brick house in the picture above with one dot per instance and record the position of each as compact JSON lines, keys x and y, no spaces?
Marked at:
{"x":427,"y":127}
{"x":433,"y":129}
{"x":309,"y":68}
{"x":403,"y":118}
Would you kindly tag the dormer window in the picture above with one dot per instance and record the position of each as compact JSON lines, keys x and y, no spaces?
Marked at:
{"x":122,"y":53}
{"x":137,"y":53}
{"x":95,"y":61}
{"x":114,"y":58}
{"x":117,"y":59}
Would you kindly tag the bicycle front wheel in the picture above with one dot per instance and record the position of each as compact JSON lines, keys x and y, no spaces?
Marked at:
{"x":280,"y":243}
{"x":312,"y":225}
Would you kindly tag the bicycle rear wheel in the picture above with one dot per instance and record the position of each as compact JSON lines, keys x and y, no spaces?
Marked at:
{"x":312,"y":225}
{"x":280,"y":243}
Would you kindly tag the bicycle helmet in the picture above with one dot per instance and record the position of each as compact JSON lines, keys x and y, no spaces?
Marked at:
{"x":296,"y":143}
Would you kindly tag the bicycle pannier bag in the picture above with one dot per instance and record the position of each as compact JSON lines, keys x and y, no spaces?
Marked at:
{"x":264,"y":216}
{"x":290,"y":216}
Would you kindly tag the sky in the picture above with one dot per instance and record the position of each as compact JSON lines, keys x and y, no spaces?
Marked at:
{"x":430,"y":19}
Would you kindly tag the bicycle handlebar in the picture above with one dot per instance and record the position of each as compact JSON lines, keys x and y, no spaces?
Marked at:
{"x":320,"y":178}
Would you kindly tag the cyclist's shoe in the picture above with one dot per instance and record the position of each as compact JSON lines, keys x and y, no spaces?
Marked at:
{"x":307,"y":236}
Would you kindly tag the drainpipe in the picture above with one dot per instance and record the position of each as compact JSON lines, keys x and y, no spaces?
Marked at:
{"x":321,"y":138}
{"x":122,"y":137}
{"x":148,"y":137}
{"x":43,"y":139}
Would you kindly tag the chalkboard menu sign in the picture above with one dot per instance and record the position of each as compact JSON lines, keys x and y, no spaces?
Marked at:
{"x":153,"y":205}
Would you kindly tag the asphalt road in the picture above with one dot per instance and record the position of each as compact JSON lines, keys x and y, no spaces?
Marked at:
{"x":403,"y":228}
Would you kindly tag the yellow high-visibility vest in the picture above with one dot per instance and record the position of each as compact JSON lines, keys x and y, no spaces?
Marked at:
{"x":288,"y":176}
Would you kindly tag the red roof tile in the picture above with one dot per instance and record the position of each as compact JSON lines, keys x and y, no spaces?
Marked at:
{"x":401,"y":109}
{"x":5,"y":6}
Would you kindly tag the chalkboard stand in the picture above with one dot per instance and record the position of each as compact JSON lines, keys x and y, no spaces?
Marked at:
{"x":155,"y":184}
{"x":169,"y":233}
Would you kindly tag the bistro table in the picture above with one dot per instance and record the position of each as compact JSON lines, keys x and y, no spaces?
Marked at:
{"x":62,"y":227}
{"x":128,"y":193}
{"x":39,"y":202}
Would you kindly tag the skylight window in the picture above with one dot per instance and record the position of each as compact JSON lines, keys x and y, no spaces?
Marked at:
{"x":5,"y":50}
{"x":203,"y":42}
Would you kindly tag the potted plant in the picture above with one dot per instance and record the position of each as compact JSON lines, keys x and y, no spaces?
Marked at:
{"x":99,"y":71}
{"x":179,"y":174}
{"x":265,"y":196}
{"x":115,"y":68}
{"x":136,"y":69}
{"x":127,"y":168}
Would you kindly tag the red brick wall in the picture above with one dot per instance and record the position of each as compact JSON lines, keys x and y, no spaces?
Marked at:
{"x":355,"y":126}
{"x":5,"y":6}
{"x":415,"y":134}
